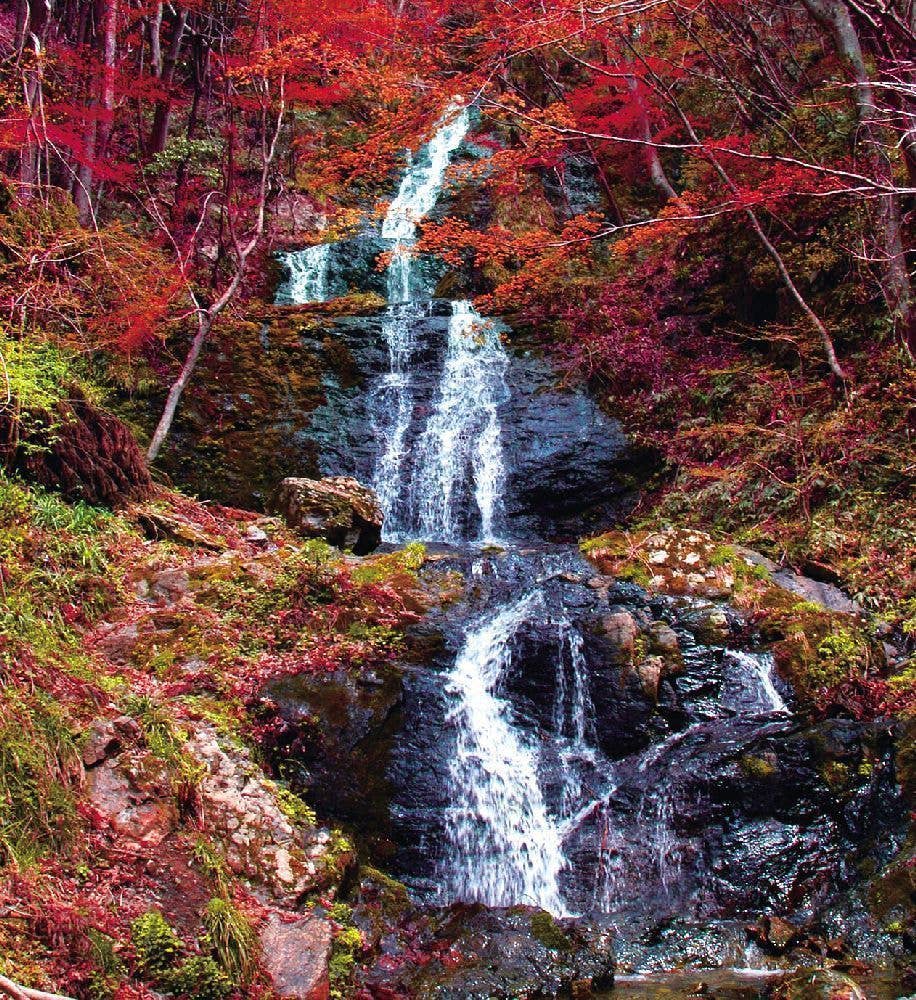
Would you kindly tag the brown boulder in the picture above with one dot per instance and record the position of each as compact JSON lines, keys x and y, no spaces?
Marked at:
{"x":621,"y":629}
{"x":133,"y":813}
{"x":340,"y":510}
{"x":296,"y":955}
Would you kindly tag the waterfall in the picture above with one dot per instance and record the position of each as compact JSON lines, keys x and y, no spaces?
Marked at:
{"x":461,"y":445}
{"x":308,"y":275}
{"x":753,"y":688}
{"x":531,"y":791}
{"x":449,"y":485}
{"x":507,"y":847}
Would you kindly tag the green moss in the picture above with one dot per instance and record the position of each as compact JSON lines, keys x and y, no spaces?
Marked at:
{"x":612,"y":543}
{"x":756,"y":767}
{"x":156,"y":945}
{"x":293,"y":806}
{"x":384,"y":568}
{"x":640,"y":648}
{"x":548,"y":932}
{"x":721,"y":555}
{"x":836,"y":774}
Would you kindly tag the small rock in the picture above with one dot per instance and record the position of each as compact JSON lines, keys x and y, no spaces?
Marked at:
{"x":106,"y":737}
{"x":649,"y":671}
{"x":134,"y":813}
{"x":169,"y":585}
{"x":779,"y":934}
{"x":621,"y":629}
{"x":257,"y":536}
{"x":712,"y":627}
{"x":663,"y":640}
{"x":296,"y":955}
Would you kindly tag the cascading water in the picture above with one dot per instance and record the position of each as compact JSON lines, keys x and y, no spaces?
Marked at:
{"x":460,"y":451}
{"x":507,"y":845}
{"x":424,"y":490}
{"x":308,"y":275}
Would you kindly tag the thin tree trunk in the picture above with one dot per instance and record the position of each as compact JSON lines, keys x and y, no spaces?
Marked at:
{"x":834,"y":17}
{"x":107,"y":93}
{"x":653,"y":160}
{"x":159,"y":134}
{"x":207,"y":317}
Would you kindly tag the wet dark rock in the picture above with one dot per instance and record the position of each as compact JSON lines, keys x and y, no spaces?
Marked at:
{"x":334,"y":737}
{"x":340,"y":510}
{"x":471,"y":952}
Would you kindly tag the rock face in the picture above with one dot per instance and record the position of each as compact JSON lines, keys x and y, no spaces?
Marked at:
{"x":296,"y":956}
{"x":338,"y":509}
{"x":259,"y":840}
{"x":563,"y":455}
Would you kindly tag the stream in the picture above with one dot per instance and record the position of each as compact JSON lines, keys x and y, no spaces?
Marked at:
{"x":528,"y":761}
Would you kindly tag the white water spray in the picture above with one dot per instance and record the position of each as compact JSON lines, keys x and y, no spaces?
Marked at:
{"x":507,"y":847}
{"x":308,"y":275}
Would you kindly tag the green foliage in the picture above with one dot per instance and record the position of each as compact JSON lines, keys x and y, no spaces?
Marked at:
{"x":212,"y":864}
{"x":231,"y":938}
{"x":37,"y":373}
{"x":38,"y":764}
{"x":347,"y":944}
{"x":110,"y":970}
{"x":840,"y":654}
{"x":722,"y":555}
{"x":57,"y":559}
{"x":156,"y":945}
{"x":200,"y":978}
{"x":166,"y":741}
{"x":201,"y":158}
{"x":159,"y":951}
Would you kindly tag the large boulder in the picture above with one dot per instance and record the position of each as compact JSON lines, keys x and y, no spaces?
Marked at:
{"x":338,"y":509}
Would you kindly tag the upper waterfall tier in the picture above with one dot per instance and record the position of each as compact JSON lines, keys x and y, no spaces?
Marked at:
{"x":422,"y":184}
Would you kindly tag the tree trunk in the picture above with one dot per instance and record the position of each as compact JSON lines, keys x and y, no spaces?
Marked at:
{"x":159,"y":135}
{"x":653,"y":160}
{"x":834,"y":17}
